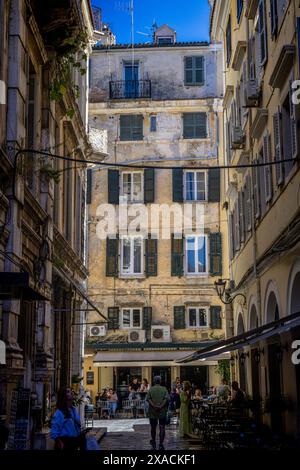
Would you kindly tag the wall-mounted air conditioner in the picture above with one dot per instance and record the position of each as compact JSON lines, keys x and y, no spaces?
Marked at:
{"x":237,"y":137}
{"x":160,"y":333}
{"x":252,"y":92}
{"x":98,"y":330}
{"x":137,"y":336}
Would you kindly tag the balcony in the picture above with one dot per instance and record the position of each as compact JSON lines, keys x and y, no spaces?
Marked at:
{"x":129,"y":89}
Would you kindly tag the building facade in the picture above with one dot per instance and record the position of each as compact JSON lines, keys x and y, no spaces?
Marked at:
{"x":160,"y":106}
{"x":261,"y":125}
{"x":42,"y":208}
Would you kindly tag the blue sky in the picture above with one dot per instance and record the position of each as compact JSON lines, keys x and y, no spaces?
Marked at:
{"x":190,"y":18}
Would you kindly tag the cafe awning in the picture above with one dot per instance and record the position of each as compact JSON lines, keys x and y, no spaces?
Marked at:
{"x":245,"y":339}
{"x":17,"y":285}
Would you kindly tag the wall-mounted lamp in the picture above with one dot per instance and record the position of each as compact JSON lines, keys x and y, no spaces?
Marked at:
{"x":232,"y":361}
{"x":257,"y":354}
{"x":225,"y":297}
{"x":242,"y":357}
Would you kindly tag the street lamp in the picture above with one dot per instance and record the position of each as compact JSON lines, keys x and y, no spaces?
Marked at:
{"x":224,"y":296}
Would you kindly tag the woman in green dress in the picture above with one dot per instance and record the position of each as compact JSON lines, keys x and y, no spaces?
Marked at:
{"x":185,"y":417}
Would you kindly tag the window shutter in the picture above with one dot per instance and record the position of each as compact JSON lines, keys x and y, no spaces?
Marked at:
{"x":200,"y":125}
{"x":147,"y":318}
{"x":177,"y":175}
{"x":293,"y":118}
{"x":179,"y":317}
{"x":214,"y":185}
{"x":256,"y":189}
{"x":215,"y":250}
{"x":268,"y":168}
{"x":274,"y":18}
{"x":262,"y":33}
{"x":215,"y":317}
{"x":112,"y":257}
{"x":131,"y":127}
{"x":149,"y":185}
{"x":241,"y":216}
{"x":113,"y":318}
{"x":237,"y":227}
{"x":199,"y":70}
{"x":278,"y":146}
{"x":151,"y":256}
{"x":113,"y":186}
{"x":231,"y":241}
{"x":176,"y":256}
{"x":89,"y":181}
{"x":228,"y":41}
{"x":194,"y":70}
{"x":188,"y":65}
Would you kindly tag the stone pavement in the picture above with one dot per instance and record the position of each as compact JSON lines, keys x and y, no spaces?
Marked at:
{"x":134,"y":434}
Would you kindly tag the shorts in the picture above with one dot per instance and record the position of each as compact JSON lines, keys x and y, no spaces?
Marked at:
{"x":162,"y":421}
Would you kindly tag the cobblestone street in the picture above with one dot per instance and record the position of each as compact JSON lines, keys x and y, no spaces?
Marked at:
{"x":134,"y":434}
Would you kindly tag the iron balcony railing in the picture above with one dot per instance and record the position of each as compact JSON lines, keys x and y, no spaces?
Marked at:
{"x":129,"y":89}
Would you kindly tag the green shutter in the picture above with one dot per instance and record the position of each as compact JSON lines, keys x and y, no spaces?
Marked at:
{"x":149,"y":185}
{"x":177,"y":256}
{"x":113,"y":186}
{"x":147,"y":318}
{"x":214,"y":185}
{"x":131,"y":127}
{"x":177,"y":185}
{"x":194,"y":70}
{"x":151,"y":256}
{"x":194,"y":126}
{"x":215,"y":248}
{"x":215,"y":317}
{"x":179,"y":317}
{"x":113,"y":318}
{"x":112,"y":257}
{"x":89,"y":182}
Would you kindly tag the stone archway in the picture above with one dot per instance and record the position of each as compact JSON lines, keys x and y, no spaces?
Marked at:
{"x":253,"y":318}
{"x":272,"y":308}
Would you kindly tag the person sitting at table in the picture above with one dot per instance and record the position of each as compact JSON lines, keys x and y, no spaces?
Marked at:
{"x":113,"y":401}
{"x":145,"y":387}
{"x":223,"y":390}
{"x":198,"y":395}
{"x":133,"y":388}
{"x":238,"y":397}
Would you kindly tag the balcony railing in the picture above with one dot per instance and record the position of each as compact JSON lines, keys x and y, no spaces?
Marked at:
{"x":129,"y":89}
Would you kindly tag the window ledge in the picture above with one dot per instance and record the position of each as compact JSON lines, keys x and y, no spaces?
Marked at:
{"x":251,"y":9}
{"x":132,"y":276}
{"x":282,"y":66}
{"x":259,"y":123}
{"x":239,"y":53}
{"x":195,"y":139}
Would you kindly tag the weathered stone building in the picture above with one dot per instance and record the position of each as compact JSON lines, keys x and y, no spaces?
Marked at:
{"x":42,"y":206}
{"x":160,"y":106}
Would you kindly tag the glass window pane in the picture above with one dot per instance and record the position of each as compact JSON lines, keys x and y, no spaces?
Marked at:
{"x":136,"y":318}
{"x":200,"y":186}
{"x":126,"y":255}
{"x":126,"y":317}
{"x":190,"y":185}
{"x":191,"y":255}
{"x":127,"y":185}
{"x":192,"y":317}
{"x":137,"y":187}
{"x":137,"y":255}
{"x":201,"y":255}
{"x":202,"y":317}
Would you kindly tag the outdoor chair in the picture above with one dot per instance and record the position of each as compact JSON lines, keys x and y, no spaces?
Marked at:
{"x":89,"y":415}
{"x":128,"y":408}
{"x":104,"y":408}
{"x":140,"y":408}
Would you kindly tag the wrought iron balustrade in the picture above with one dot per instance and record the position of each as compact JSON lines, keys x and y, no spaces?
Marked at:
{"x":129,"y":89}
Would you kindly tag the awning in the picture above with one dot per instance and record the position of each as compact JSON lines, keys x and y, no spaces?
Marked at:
{"x":2,"y":352}
{"x":15,"y":285}
{"x":245,"y":339}
{"x":143,"y":358}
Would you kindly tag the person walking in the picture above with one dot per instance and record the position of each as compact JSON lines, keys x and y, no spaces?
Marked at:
{"x":185,"y":417}
{"x":65,"y":423}
{"x":158,"y":399}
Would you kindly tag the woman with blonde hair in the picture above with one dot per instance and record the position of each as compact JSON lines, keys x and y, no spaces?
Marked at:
{"x":185,"y":416}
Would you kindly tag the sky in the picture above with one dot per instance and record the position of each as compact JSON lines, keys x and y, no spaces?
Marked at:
{"x":190,"y":18}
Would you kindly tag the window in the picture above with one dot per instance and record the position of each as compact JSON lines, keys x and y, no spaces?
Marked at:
{"x":132,"y":255}
{"x":195,"y":186}
{"x":262,"y":32}
{"x":228,"y":41}
{"x":131,"y":318}
{"x":194,"y":126}
{"x":31,"y":126}
{"x":165,"y":40}
{"x":194,"y":70}
{"x":132,"y":186}
{"x":152,"y":123}
{"x":196,"y":254}
{"x":239,"y":9}
{"x":131,"y":127}
{"x":197,"y":317}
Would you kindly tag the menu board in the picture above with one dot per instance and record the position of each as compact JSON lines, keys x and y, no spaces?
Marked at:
{"x":19,"y":419}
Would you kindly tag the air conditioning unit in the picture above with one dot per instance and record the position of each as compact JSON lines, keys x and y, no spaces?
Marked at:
{"x":160,"y":333}
{"x":252,"y":92}
{"x":137,"y":336}
{"x":237,"y":137}
{"x":98,"y":330}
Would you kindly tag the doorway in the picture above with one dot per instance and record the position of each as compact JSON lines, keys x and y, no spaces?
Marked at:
{"x":275,"y":387}
{"x":164,"y":373}
{"x":198,"y":376}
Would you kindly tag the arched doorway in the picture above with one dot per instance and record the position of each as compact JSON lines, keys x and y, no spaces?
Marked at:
{"x":242,"y":360}
{"x":255,"y":359}
{"x":274,"y":367}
